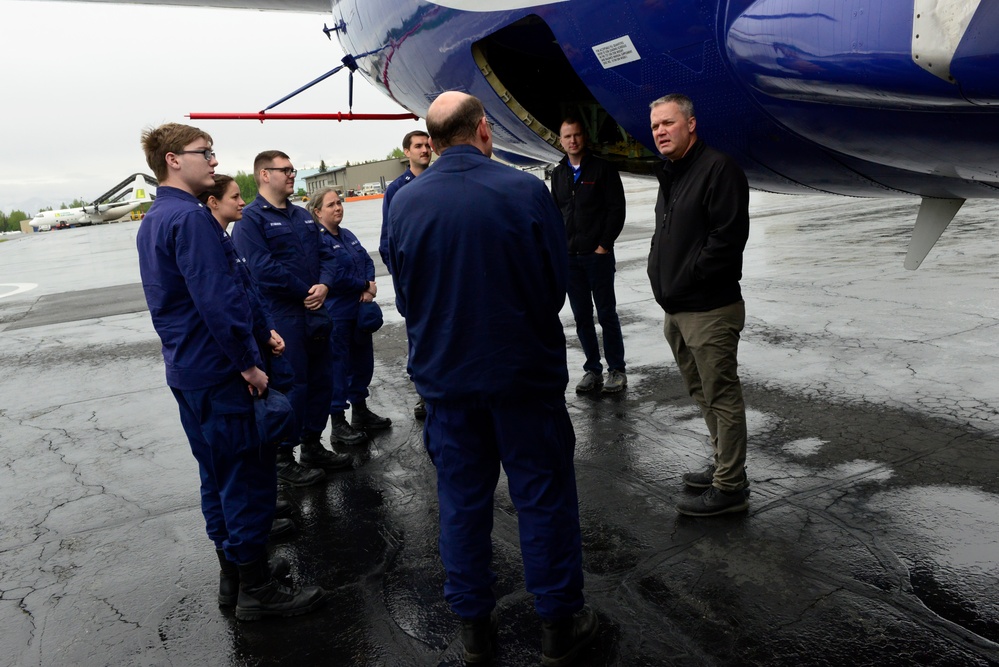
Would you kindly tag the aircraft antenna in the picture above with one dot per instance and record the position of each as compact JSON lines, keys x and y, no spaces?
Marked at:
{"x":350,"y":62}
{"x":333,"y":71}
{"x":339,"y":27}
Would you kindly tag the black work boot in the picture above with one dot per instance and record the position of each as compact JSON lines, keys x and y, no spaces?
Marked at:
{"x":701,"y":479}
{"x":343,"y":433}
{"x":704,"y":478}
{"x":562,"y":640}
{"x":714,"y":501}
{"x":478,"y":638}
{"x":291,"y":473}
{"x":229,"y":576}
{"x":361,"y":417}
{"x":281,"y":527}
{"x":591,"y":381}
{"x":420,"y":410}
{"x":314,"y":455}
{"x":284,"y":505}
{"x":262,"y":595}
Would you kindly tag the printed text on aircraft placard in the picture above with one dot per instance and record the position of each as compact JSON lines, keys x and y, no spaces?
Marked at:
{"x":616,"y":52}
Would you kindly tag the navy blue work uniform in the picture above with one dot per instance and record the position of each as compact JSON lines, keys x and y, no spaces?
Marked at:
{"x":212,"y":329}
{"x":351,"y":349}
{"x":286,"y":256}
{"x":480,"y":274}
{"x":393,"y":187}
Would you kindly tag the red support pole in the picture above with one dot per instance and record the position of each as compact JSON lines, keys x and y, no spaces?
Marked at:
{"x":339,"y":116}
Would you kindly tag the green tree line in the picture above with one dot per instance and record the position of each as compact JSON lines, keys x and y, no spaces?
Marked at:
{"x":247,"y":186}
{"x":11,"y":222}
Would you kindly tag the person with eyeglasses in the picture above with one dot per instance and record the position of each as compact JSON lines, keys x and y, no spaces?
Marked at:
{"x":293,"y":270}
{"x":213,"y":335}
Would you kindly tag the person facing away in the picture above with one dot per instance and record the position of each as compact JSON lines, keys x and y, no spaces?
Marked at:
{"x":352,"y":353}
{"x":212,"y":337}
{"x":695,"y":264}
{"x":479,"y":259}
{"x":416,"y":146}
{"x":589,"y":193}
{"x":293,"y":269}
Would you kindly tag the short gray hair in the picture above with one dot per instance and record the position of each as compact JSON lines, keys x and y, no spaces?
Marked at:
{"x":679,"y":99}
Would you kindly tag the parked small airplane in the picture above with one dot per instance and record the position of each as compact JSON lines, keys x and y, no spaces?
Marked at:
{"x":120,"y":200}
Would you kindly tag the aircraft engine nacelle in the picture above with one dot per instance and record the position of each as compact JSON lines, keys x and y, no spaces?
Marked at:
{"x":882,"y":81}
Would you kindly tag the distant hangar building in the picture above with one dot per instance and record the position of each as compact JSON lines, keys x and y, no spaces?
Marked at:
{"x":350,"y":179}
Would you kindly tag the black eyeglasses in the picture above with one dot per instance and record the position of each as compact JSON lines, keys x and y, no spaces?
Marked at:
{"x":207,"y":153}
{"x":287,"y":171}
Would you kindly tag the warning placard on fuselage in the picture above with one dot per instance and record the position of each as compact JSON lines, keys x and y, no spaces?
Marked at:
{"x":616,"y":52}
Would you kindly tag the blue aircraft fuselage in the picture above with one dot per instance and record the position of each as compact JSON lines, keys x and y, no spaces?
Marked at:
{"x":868,"y":98}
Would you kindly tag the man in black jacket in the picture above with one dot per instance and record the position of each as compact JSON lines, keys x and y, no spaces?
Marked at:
{"x":695,"y":263}
{"x":589,"y":193}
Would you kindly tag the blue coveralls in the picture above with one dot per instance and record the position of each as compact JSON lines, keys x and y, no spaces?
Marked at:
{"x":383,"y":244}
{"x":212,"y":328}
{"x":393,"y":187}
{"x":351,"y":349}
{"x":286,"y":256}
{"x":480,"y":268}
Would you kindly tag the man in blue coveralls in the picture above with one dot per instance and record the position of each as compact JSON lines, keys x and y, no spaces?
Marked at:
{"x":293,"y":270}
{"x":212,"y":333}
{"x":487,"y":351}
{"x":416,"y":146}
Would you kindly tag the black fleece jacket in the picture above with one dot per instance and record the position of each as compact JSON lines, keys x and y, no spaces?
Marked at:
{"x":702,"y":224}
{"x":592,"y":207}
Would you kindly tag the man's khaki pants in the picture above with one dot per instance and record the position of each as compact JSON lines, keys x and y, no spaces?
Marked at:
{"x":705,"y":346}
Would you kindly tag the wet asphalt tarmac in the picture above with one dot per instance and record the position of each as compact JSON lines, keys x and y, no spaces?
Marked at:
{"x":872,"y":536}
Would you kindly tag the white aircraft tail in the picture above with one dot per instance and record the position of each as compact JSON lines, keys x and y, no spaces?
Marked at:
{"x":137,"y":187}
{"x":141,"y":190}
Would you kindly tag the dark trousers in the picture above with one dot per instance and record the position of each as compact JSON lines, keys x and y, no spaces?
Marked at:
{"x":591,"y":283}
{"x":238,"y":476}
{"x":534,"y":442}
{"x":353,"y":362}
{"x":311,"y":383}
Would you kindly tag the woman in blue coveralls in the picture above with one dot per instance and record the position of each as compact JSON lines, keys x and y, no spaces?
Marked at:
{"x":353,"y":354}
{"x":225,"y":202}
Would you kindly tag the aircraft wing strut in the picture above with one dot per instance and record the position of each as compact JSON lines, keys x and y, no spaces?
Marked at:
{"x":933,"y":217}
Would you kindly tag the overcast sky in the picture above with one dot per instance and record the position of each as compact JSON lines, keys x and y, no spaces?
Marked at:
{"x":81,"y":81}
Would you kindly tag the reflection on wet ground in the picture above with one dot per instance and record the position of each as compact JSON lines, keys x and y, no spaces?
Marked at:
{"x":872,"y":537}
